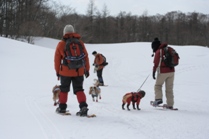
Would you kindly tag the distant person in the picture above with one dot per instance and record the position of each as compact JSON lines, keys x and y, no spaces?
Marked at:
{"x":155,"y":45}
{"x":69,"y":71}
{"x":99,"y":63}
{"x":165,"y":75}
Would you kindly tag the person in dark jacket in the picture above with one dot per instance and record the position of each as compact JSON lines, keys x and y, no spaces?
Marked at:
{"x":68,"y":76}
{"x":164,"y":75}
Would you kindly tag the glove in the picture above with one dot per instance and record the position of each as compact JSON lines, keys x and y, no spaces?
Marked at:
{"x":153,"y":75}
{"x":86,"y":74}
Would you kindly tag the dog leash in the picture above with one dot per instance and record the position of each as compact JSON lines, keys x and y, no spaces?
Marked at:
{"x":143,"y":84}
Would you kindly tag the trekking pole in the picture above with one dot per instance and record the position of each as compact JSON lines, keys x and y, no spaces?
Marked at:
{"x":143,"y":84}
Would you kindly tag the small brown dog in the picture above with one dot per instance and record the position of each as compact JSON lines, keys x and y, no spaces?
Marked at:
{"x":95,"y":91}
{"x":56,"y":92}
{"x":134,"y":97}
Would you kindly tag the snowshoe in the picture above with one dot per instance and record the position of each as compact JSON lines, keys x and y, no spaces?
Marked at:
{"x":156,"y":102}
{"x":82,"y":112}
{"x":62,"y":112}
{"x":165,"y":106}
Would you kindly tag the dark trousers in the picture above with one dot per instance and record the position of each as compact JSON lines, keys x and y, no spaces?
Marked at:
{"x":99,"y":75}
{"x":77,"y":83}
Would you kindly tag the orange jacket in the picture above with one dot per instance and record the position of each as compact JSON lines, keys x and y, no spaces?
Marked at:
{"x":59,"y":56}
{"x":98,"y":60}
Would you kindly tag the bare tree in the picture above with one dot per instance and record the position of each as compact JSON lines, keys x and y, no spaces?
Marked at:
{"x":37,"y":18}
{"x":91,"y":12}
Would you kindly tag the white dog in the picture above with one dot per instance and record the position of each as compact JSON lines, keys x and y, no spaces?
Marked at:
{"x":95,"y":91}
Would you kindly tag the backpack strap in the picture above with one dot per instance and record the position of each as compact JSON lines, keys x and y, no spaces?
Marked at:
{"x":158,"y":68}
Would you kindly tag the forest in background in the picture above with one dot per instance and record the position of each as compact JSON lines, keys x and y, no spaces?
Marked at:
{"x":47,"y":18}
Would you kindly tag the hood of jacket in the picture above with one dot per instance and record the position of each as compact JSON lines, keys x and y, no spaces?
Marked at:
{"x":163,"y":45}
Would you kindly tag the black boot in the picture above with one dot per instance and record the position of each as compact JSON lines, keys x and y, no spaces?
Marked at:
{"x":83,"y":109}
{"x":62,"y":108}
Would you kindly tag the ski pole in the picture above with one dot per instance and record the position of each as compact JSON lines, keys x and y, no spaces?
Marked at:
{"x":143,"y":84}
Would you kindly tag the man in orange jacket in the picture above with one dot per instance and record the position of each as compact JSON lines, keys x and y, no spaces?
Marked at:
{"x":98,"y":63}
{"x":68,"y":76}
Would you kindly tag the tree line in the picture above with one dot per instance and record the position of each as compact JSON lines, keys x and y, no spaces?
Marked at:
{"x":28,"y":18}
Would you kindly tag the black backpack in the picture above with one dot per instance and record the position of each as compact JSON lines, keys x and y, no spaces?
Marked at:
{"x":74,"y":54}
{"x":105,"y":63}
{"x":170,"y":57}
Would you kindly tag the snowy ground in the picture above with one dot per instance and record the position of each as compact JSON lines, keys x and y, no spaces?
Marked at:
{"x":27,"y":111}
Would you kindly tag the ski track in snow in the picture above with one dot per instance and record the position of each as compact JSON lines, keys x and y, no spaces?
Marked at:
{"x":48,"y":128}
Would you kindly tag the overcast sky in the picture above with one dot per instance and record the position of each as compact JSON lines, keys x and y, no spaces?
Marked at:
{"x":138,"y":7}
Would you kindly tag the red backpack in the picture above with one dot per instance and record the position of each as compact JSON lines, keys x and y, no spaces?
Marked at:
{"x":74,"y":54}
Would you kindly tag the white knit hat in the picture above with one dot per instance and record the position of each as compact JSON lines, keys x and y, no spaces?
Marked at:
{"x":68,"y":29}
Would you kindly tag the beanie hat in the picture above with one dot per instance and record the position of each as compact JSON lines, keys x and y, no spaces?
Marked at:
{"x":68,"y":29}
{"x":156,"y":39}
{"x":94,"y":52}
{"x":155,"y":44}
